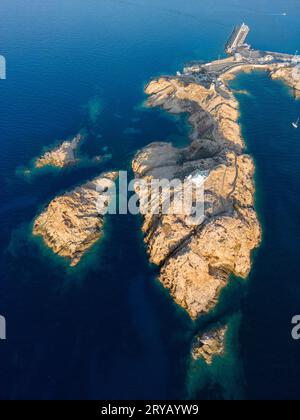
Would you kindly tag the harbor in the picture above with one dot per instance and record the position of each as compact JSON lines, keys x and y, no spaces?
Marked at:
{"x":241,"y":57}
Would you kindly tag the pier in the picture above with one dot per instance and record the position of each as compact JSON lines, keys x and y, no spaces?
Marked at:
{"x":241,"y":56}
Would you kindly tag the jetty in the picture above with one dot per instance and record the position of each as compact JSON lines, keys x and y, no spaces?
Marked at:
{"x":240,"y":57}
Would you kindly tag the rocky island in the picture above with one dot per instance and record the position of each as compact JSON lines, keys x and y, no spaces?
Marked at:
{"x":210,"y":344}
{"x":62,"y":156}
{"x":72,"y":223}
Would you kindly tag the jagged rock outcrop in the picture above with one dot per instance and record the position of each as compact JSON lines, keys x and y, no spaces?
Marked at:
{"x":72,"y":223}
{"x":210,"y":344}
{"x":196,"y":259}
{"x":290,"y":75}
{"x":61,"y":156}
{"x":212,"y":116}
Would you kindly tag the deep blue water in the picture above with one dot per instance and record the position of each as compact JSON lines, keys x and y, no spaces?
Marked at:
{"x":107,"y":329}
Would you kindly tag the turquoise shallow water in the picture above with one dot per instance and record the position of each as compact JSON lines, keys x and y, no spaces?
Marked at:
{"x":107,"y":329}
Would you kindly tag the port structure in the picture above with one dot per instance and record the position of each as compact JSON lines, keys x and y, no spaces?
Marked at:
{"x":237,"y":38}
{"x":240,"y":55}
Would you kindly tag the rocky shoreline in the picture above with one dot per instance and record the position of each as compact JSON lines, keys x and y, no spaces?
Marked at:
{"x":277,"y":72}
{"x":62,"y":156}
{"x":196,"y":261}
{"x":210,"y":344}
{"x":290,"y":76}
{"x":71,"y":224}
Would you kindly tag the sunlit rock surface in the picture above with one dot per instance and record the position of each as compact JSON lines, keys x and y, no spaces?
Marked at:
{"x":72,"y":223}
{"x":63,"y":155}
{"x":210,"y":344}
{"x":196,"y":260}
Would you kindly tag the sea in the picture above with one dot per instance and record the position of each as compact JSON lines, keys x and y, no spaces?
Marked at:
{"x":107,"y":329}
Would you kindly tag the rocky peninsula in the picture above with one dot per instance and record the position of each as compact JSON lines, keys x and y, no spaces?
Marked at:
{"x":61,"y":156}
{"x":72,"y":223}
{"x":196,"y":261}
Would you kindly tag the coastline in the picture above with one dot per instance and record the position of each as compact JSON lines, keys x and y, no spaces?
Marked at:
{"x":185,"y":94}
{"x":108,"y":328}
{"x":196,"y":263}
{"x":70,"y":224}
{"x":236,"y":144}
